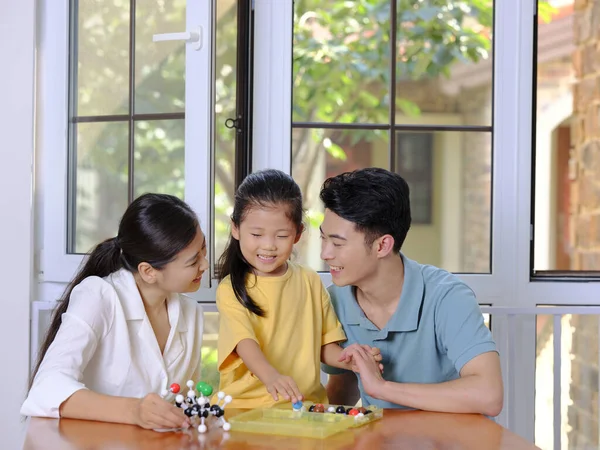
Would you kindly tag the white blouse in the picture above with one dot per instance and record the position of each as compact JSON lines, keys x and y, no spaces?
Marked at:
{"x":106,"y":344}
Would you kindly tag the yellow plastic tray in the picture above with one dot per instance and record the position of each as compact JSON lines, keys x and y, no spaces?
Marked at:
{"x":286,"y":422}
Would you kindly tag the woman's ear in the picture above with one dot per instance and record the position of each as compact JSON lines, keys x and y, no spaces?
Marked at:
{"x":147,"y":272}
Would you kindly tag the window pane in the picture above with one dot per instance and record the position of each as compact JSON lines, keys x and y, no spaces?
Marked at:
{"x":444,"y":61}
{"x":159,"y":162}
{"x":341,"y":60}
{"x":578,"y":385}
{"x":449,"y":175}
{"x":318,"y":154}
{"x":99,"y":174}
{"x":101,"y":41}
{"x":567,"y":158}
{"x":159,"y":66}
{"x":210,"y":374}
{"x":225,"y":108}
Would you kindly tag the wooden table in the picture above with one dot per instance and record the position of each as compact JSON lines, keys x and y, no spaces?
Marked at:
{"x":397,"y":430}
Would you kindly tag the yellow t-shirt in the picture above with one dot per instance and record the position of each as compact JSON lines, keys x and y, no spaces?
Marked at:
{"x":299,"y":321}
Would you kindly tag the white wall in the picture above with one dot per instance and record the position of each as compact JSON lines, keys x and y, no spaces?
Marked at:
{"x":17,"y":76}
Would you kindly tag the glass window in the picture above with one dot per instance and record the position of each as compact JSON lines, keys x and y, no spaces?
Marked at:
{"x":210,"y":372}
{"x":578,"y":366}
{"x":405,"y":86}
{"x":567,"y":140}
{"x":127,"y":112}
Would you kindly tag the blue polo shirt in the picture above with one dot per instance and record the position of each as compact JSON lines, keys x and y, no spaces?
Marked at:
{"x":436,"y":329}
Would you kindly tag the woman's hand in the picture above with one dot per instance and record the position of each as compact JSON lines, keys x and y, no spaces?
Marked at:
{"x":154,"y":412}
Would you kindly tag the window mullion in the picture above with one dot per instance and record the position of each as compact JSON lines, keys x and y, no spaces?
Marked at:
{"x":272,"y":85}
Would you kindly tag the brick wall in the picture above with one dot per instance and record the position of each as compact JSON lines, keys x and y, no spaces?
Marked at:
{"x":585,"y":219}
{"x":585,"y":130}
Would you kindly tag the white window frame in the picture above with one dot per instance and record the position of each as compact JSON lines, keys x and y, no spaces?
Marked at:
{"x":57,"y":265}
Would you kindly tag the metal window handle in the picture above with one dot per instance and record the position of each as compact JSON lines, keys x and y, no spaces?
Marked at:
{"x":193,"y":36}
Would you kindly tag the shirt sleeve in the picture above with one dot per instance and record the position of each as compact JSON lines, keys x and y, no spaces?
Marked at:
{"x":234,"y":326}
{"x":87,"y":320}
{"x":460,"y":330}
{"x":332,"y":328}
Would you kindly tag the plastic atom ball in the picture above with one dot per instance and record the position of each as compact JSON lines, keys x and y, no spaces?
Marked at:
{"x":204,"y":389}
{"x":319,"y":408}
{"x":226,"y":426}
{"x":353,"y":412}
{"x":175,"y":388}
{"x":297,"y":406}
{"x":202,"y":428}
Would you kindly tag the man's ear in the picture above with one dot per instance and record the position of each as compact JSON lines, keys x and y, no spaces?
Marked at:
{"x":384,"y":245}
{"x":147,"y":272}
{"x":235,"y":231}
{"x":299,"y":233}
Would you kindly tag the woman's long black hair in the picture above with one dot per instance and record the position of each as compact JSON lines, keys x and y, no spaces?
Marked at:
{"x":266,"y":188}
{"x":154,"y":229}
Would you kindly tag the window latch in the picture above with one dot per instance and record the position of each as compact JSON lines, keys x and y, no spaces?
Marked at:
{"x":234,"y":123}
{"x":191,"y":37}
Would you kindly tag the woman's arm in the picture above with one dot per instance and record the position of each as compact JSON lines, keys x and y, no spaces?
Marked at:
{"x":149,"y":412}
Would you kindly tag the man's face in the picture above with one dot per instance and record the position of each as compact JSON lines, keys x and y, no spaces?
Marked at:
{"x":344,"y":250}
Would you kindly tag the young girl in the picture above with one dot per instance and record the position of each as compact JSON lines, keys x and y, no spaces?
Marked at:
{"x":276,"y":320}
{"x":121,"y":333}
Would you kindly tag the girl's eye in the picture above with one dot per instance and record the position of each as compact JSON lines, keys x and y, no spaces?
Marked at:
{"x":283,"y":237}
{"x":255,"y":235}
{"x":337,"y":245}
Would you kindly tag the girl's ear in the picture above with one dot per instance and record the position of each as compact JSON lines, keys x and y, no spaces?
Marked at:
{"x":235,"y":231}
{"x":299,"y":234}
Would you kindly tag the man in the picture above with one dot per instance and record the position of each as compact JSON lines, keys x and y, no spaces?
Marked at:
{"x":437,"y":353}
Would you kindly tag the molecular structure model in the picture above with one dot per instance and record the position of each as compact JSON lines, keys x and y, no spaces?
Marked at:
{"x":358,"y":413}
{"x":197,"y":404}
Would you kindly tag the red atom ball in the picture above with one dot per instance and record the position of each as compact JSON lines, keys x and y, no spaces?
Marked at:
{"x":175,"y":388}
{"x":353,"y":412}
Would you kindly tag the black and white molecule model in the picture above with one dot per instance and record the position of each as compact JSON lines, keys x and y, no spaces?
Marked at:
{"x":197,"y":404}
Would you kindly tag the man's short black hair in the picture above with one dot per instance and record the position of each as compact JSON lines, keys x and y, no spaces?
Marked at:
{"x":375,"y":200}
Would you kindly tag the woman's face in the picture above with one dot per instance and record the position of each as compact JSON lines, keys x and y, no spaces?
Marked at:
{"x":184,"y":273}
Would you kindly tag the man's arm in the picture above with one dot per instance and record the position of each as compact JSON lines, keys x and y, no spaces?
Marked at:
{"x":478,"y":390}
{"x":342,"y":389}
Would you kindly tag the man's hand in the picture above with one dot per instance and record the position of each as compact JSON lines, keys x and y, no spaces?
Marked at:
{"x":370,"y":370}
{"x":347,"y":355}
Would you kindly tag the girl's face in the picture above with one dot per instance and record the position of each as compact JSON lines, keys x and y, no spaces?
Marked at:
{"x":184,"y":273}
{"x":267,"y":237}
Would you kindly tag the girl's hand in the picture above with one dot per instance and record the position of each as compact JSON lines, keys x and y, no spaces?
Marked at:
{"x":284,"y":385}
{"x":154,"y":412}
{"x":346,"y":355}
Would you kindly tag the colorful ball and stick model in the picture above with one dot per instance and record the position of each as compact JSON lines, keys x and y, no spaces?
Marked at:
{"x":197,"y":403}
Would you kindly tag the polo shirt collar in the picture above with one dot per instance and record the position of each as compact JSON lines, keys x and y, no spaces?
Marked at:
{"x":406,"y":316}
